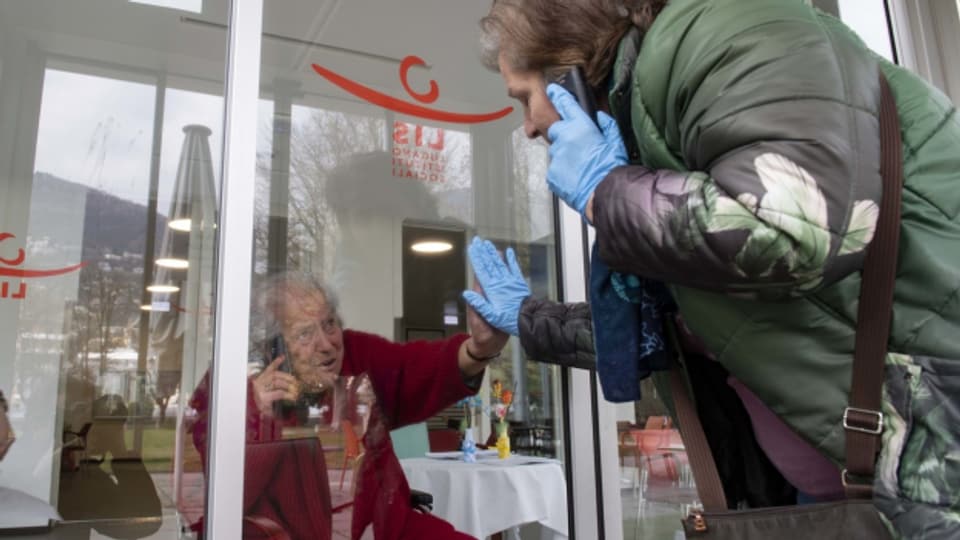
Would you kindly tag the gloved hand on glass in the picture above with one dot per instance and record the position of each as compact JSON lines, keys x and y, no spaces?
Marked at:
{"x":581,"y":155}
{"x":504,"y":287}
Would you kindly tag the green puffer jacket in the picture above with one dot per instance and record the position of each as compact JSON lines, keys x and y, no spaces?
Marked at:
{"x":753,"y":131}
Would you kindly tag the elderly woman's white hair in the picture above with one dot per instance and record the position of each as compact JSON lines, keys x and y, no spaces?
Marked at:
{"x":273,"y":292}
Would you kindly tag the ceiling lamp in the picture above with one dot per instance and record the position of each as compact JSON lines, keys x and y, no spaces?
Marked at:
{"x":157,"y":288}
{"x":182,"y":224}
{"x":173,"y":263}
{"x":432,"y":246}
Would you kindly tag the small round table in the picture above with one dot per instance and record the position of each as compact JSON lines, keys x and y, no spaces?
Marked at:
{"x":494,"y":495}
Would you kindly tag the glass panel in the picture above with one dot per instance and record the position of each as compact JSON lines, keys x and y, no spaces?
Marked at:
{"x":869,"y":21}
{"x":110,"y":124}
{"x":656,"y":484}
{"x":373,"y":183}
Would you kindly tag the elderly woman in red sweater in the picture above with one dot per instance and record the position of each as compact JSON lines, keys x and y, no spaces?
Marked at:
{"x":409,"y":381}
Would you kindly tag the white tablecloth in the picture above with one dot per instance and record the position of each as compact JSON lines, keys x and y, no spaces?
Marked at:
{"x":491,"y":495}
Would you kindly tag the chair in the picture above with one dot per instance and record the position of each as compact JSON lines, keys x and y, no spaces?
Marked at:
{"x":352,"y":450}
{"x":74,"y":442}
{"x":444,"y":440}
{"x":658,"y":422}
{"x":295,"y":472}
{"x":410,"y":441}
{"x":660,"y":464}
{"x":627,"y":448}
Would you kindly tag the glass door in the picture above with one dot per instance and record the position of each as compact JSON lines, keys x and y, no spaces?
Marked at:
{"x":383,"y":149}
{"x":112,"y":116}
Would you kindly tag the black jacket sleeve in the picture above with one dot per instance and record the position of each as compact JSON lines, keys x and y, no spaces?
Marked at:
{"x":557,"y":333}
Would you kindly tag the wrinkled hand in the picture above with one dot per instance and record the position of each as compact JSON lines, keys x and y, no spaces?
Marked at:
{"x":581,"y":155}
{"x":487,"y":340}
{"x":272,"y":384}
{"x":504,"y":287}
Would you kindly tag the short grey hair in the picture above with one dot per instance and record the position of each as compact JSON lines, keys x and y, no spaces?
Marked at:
{"x":490,"y":47}
{"x":270,"y":296}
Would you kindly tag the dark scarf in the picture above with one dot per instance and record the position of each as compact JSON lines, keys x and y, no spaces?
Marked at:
{"x":628,"y":333}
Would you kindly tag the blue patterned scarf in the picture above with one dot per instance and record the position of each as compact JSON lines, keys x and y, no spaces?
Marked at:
{"x":628,"y":314}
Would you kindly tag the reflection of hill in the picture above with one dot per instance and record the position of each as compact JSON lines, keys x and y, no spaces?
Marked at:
{"x":111,"y":224}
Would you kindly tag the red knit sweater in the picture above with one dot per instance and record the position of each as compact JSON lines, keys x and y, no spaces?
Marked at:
{"x":286,"y":481}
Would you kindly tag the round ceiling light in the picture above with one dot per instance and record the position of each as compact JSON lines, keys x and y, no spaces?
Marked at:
{"x":176,"y":264}
{"x":182,"y":224}
{"x":157,"y":288}
{"x":432,"y":246}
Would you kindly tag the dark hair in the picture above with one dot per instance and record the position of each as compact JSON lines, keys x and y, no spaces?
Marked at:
{"x":552,"y":35}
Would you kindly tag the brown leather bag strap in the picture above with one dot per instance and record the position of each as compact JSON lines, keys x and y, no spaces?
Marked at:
{"x":862,"y":419}
{"x":704,"y":468}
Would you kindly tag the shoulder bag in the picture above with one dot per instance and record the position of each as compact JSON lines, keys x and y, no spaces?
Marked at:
{"x":855,"y":517}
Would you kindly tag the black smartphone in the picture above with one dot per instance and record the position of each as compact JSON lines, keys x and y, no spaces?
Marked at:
{"x":575,"y":83}
{"x":276,"y":348}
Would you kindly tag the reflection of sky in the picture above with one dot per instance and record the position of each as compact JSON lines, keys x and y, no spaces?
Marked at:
{"x":97,"y":132}
{"x":870,"y":23}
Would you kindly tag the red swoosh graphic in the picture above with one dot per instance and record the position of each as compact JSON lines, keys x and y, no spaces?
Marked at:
{"x":427,"y":97}
{"x":396,"y":105}
{"x":20,"y":253}
{"x":25,"y":273}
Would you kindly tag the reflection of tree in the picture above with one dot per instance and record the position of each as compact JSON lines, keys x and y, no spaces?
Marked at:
{"x":105,"y":301}
{"x":319,"y":143}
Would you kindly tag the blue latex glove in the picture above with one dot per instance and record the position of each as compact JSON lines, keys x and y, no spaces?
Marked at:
{"x":504,"y":286}
{"x":581,"y":155}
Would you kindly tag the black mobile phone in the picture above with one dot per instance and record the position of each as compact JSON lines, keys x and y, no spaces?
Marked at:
{"x":575,"y":83}
{"x":276,"y":348}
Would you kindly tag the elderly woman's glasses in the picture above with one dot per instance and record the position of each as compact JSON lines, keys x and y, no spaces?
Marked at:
{"x":307,"y":335}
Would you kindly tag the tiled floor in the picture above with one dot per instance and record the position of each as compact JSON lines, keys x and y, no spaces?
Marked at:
{"x":653,"y":508}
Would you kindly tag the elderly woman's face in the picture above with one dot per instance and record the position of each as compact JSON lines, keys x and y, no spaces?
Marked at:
{"x":314,"y":340}
{"x":530,"y":89}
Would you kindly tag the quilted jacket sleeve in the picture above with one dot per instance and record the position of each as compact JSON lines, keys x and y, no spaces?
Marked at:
{"x":557,"y":333}
{"x":759,"y":143}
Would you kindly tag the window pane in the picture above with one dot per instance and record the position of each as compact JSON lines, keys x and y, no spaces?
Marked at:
{"x":657,"y":489}
{"x":111,"y":127}
{"x":374,"y":184}
{"x":869,"y":21}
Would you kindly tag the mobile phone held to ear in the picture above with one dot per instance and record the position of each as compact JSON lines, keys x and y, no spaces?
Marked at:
{"x":277,"y":347}
{"x":575,"y":83}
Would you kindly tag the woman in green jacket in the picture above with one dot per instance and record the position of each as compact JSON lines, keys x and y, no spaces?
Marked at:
{"x":739,"y":165}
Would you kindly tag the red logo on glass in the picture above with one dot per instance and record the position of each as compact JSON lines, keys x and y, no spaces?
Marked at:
{"x":404,"y":107}
{"x":17,"y":290}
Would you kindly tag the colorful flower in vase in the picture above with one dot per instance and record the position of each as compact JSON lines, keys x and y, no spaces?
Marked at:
{"x":496,"y":389}
{"x":506,"y":397}
{"x":503,"y":442}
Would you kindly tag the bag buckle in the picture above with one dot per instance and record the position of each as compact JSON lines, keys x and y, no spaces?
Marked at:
{"x":849,"y":480}
{"x":875,"y":429}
